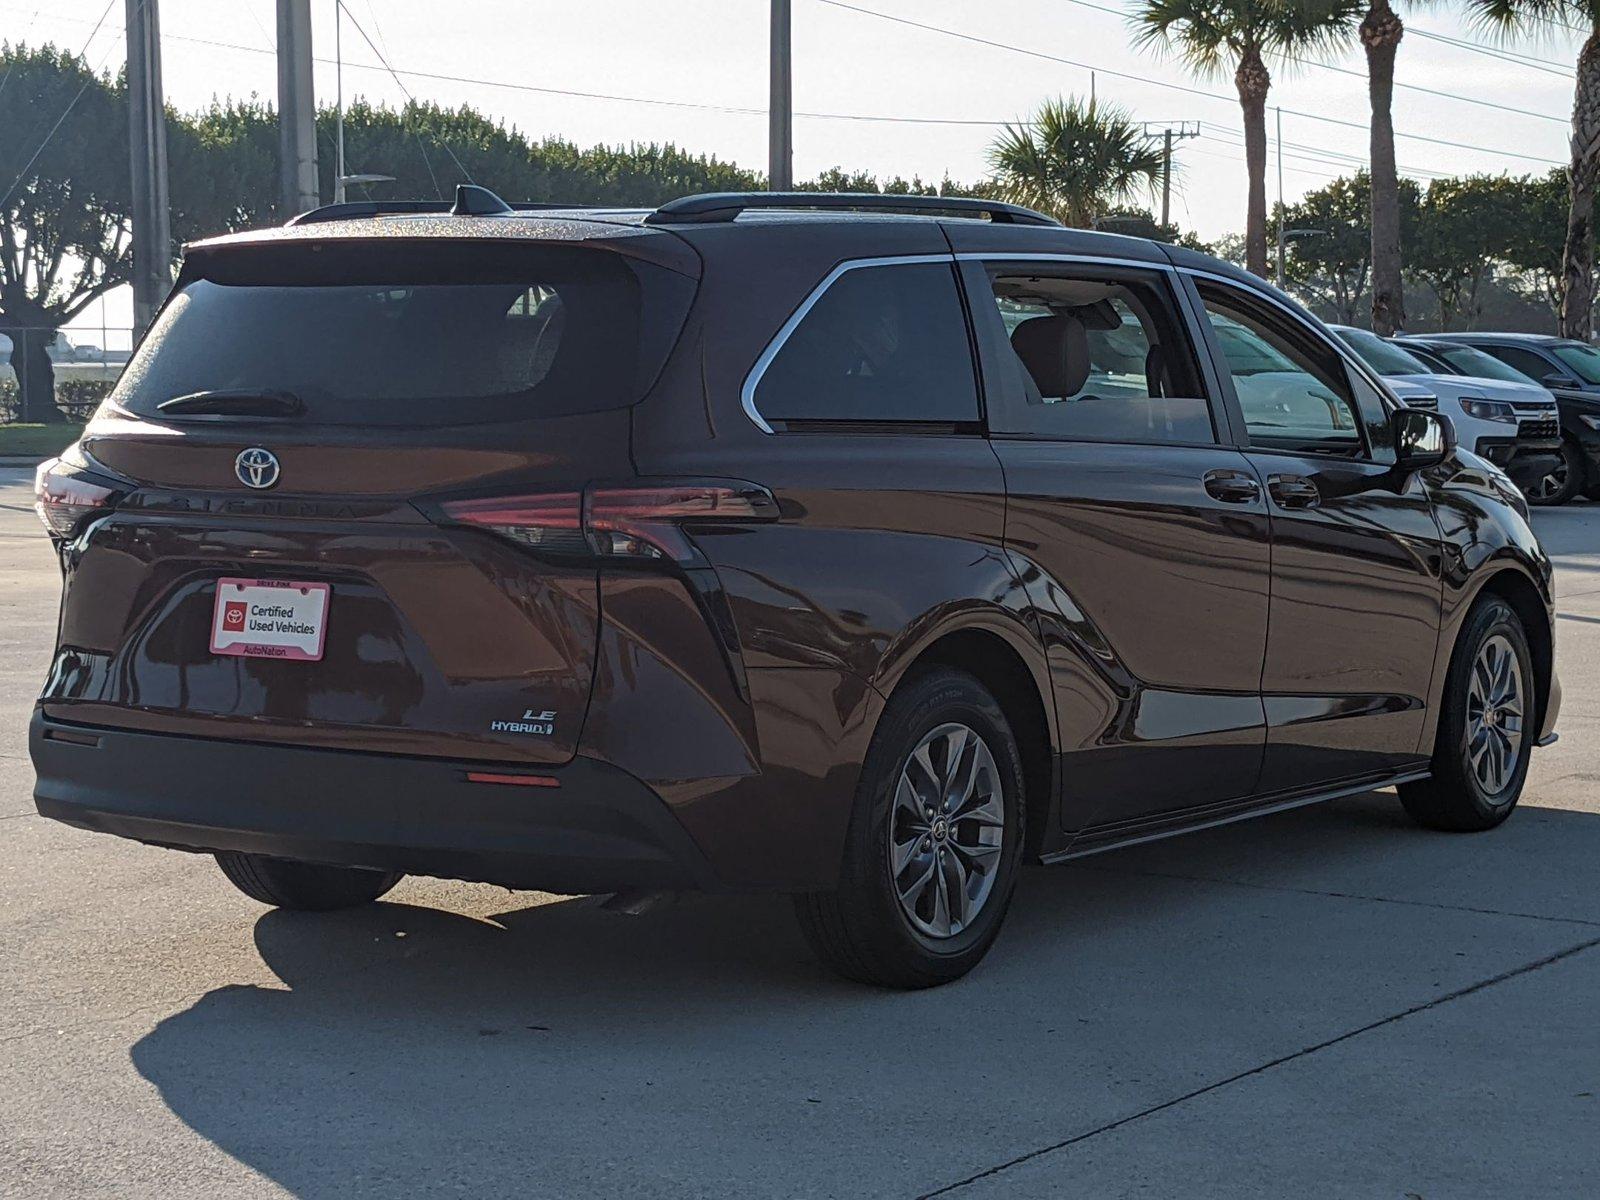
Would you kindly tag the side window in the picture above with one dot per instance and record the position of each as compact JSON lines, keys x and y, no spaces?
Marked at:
{"x":1526,"y":361}
{"x":1099,"y":356}
{"x":1293,"y":390}
{"x":883,"y":343}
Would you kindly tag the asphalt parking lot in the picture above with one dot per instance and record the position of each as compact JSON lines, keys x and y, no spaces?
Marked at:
{"x":1322,"y":1003}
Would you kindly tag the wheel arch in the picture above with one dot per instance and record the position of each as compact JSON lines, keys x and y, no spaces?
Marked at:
{"x":1525,"y":599}
{"x":1009,"y":663}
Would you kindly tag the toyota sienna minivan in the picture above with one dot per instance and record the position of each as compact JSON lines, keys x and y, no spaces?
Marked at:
{"x":860,"y":548}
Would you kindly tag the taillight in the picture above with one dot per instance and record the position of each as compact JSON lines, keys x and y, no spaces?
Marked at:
{"x":642,"y":520}
{"x":64,"y":496}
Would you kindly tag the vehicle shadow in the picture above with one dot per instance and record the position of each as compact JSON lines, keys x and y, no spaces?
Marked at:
{"x":563,"y":1050}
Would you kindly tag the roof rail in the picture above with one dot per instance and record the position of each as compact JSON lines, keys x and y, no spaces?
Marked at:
{"x":471,"y":201}
{"x":725,"y":206}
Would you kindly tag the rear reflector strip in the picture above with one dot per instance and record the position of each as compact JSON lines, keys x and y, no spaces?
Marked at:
{"x":515,"y":780}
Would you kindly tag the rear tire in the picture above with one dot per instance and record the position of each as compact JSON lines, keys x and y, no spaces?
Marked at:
{"x":941,"y":795}
{"x":1486,"y":727}
{"x":1562,"y":484}
{"x":310,"y":887}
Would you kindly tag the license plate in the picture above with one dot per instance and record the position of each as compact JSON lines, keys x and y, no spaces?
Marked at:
{"x":270,"y":618}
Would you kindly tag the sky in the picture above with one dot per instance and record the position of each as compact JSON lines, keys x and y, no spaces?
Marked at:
{"x":694,"y":72}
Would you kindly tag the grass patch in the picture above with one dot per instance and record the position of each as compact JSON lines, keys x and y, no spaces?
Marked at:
{"x":37,"y":441}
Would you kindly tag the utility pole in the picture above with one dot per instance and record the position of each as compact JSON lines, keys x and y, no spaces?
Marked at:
{"x":780,"y":109}
{"x":297,"y":112}
{"x":338,"y":101}
{"x":1172,"y":132}
{"x":147,"y":159}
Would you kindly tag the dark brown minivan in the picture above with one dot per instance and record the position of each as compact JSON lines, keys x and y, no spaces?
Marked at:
{"x":858,"y":547}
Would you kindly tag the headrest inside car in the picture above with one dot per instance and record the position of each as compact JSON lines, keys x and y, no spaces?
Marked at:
{"x":1055,"y":350}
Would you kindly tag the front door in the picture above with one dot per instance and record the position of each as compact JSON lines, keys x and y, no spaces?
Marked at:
{"x":1356,"y":551}
{"x":1141,"y":536}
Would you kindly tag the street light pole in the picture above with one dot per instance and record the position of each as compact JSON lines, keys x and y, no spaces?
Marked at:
{"x":780,"y":109}
{"x":338,"y":101}
{"x":1280,"y":198}
{"x":147,"y":160}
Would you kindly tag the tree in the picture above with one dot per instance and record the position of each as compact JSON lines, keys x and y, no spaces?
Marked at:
{"x":1074,"y":160}
{"x":1534,"y":241}
{"x":1380,"y":31}
{"x":1460,"y":232}
{"x":1212,"y":36}
{"x":64,"y":213}
{"x":1329,"y":261}
{"x":1577,"y":253}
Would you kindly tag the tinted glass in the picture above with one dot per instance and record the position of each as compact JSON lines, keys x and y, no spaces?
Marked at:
{"x":1293,"y":391}
{"x":1383,"y":357}
{"x":1525,"y":361}
{"x":1468,"y":360}
{"x":886,"y":343}
{"x":1101,"y":359}
{"x":1582,"y":361}
{"x":413,"y":337}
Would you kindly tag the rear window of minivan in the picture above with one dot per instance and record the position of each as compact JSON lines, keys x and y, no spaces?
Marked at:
{"x":424,"y":333}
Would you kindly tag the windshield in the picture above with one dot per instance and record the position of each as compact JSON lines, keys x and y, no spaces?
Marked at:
{"x":1582,"y":361}
{"x":1469,"y":360}
{"x":1383,"y":357}
{"x":415,"y":337}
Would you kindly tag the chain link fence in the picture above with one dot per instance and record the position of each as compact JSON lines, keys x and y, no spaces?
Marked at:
{"x":72,"y":369}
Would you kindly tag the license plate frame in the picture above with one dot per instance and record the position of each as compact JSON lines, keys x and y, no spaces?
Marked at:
{"x":282,"y":619}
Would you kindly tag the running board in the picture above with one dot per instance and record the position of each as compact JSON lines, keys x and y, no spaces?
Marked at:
{"x":1187,"y":821}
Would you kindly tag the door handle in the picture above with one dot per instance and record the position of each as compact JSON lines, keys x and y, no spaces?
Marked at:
{"x":1233,"y":487}
{"x":1293,"y":491}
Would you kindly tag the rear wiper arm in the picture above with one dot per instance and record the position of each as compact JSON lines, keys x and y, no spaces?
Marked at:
{"x":236,"y":402}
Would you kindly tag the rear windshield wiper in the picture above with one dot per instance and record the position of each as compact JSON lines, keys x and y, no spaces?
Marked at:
{"x":235,"y":402}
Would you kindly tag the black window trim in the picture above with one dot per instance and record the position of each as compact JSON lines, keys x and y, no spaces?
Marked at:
{"x":747,"y":391}
{"x":1220,"y":418}
{"x":1312,"y":328}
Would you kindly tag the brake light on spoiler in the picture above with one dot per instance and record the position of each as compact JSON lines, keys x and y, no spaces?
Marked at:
{"x":645,"y":519}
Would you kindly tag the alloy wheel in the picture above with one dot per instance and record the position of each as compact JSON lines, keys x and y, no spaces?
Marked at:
{"x":946,"y":831}
{"x":1494,"y":714}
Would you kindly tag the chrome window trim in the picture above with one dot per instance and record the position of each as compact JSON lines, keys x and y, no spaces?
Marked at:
{"x":747,"y":393}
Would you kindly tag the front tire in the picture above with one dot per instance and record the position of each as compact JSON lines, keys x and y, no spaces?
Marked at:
{"x":934,"y":840}
{"x":1486,"y":727}
{"x":309,"y":887}
{"x":1564,"y":482}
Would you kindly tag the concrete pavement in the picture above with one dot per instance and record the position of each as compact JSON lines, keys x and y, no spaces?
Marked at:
{"x":1323,"y":1003}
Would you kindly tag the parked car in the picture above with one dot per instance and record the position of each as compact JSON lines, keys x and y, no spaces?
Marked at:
{"x":1513,"y":424}
{"x":1571,"y":370}
{"x":69,"y":360}
{"x":864,"y":552}
{"x":1452,"y":358}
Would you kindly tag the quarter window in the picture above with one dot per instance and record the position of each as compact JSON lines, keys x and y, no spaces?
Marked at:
{"x":1293,"y":391}
{"x":882,"y":343}
{"x":1526,"y":361}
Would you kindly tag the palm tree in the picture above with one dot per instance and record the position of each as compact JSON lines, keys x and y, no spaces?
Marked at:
{"x":1075,"y":160}
{"x":1381,"y":30}
{"x":1511,"y":17}
{"x":1212,"y":36}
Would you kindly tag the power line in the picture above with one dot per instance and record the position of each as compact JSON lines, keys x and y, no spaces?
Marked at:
{"x":1514,"y":57}
{"x":1337,"y":70}
{"x":71,"y":104}
{"x":1177,"y":87}
{"x":411,"y":100}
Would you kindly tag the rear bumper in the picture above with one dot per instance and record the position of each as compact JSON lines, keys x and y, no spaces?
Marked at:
{"x":600,"y":830}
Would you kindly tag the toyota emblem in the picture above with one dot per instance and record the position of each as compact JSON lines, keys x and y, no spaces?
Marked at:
{"x":256,"y":468}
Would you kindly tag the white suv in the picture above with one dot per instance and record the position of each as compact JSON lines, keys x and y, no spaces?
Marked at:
{"x":1516,"y":426}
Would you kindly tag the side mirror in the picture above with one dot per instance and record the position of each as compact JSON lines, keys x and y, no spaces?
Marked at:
{"x":1556,"y":380}
{"x":1421,"y":438}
